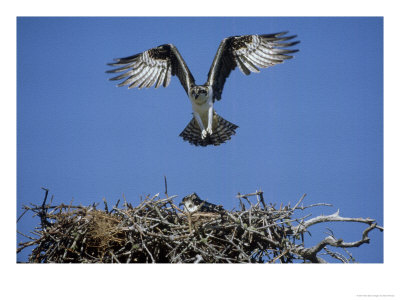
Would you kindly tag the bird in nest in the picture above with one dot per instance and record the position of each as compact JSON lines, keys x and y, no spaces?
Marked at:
{"x":192,"y":203}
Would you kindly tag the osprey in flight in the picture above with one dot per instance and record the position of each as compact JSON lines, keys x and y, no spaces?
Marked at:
{"x":155,"y":67}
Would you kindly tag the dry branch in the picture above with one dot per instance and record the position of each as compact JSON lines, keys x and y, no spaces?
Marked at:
{"x":157,"y":231}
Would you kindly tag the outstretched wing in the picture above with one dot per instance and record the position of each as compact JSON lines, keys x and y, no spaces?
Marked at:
{"x":154,"y":66}
{"x":248,"y":52}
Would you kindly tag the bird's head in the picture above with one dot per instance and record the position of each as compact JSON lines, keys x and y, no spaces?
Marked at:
{"x":199,"y":91}
{"x":188,"y":205}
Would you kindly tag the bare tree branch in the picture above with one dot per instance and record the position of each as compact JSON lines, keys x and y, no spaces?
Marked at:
{"x":157,"y":231}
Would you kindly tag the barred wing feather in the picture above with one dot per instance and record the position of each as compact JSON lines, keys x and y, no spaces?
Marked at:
{"x":152,"y":67}
{"x":248,"y":52}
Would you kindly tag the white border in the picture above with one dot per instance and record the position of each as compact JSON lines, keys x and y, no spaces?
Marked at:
{"x":210,"y":281}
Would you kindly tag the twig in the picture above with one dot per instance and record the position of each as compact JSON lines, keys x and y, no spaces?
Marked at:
{"x":156,"y":231}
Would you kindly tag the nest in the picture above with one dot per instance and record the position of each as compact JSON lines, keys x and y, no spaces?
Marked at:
{"x":158,"y":231}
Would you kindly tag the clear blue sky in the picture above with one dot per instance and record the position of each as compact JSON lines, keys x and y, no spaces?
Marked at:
{"x":311,"y":125}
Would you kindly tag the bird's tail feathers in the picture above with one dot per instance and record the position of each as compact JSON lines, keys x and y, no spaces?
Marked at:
{"x":222,"y":132}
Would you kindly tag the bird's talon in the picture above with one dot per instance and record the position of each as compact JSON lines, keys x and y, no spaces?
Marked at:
{"x":203,"y":134}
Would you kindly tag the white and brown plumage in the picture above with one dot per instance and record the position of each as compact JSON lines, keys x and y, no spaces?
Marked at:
{"x":192,"y":203}
{"x":156,"y":66}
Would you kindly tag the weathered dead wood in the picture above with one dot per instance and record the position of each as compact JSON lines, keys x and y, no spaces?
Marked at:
{"x":157,"y":231}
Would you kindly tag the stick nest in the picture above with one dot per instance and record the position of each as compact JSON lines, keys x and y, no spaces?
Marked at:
{"x":157,"y":231}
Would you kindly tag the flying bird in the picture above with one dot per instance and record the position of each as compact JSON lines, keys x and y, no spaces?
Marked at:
{"x":156,"y":66}
{"x":193,"y":203}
